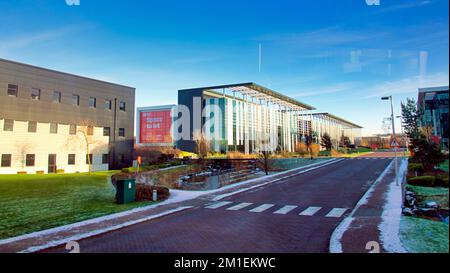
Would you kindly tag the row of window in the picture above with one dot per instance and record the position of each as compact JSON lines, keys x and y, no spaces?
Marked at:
{"x":13,"y":91}
{"x":30,"y":159}
{"x":32,"y":128}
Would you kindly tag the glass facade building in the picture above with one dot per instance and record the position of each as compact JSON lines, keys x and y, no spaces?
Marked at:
{"x":433,"y":103}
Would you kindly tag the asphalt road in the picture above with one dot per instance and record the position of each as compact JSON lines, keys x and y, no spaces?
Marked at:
{"x":296,"y":215}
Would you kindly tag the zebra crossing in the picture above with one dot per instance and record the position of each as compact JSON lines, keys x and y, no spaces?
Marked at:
{"x":274,"y":209}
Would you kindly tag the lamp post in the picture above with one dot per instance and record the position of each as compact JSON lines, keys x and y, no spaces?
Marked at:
{"x":403,"y":135}
{"x":393,"y":137}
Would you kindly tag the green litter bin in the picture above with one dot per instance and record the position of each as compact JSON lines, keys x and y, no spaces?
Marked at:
{"x":125,"y":191}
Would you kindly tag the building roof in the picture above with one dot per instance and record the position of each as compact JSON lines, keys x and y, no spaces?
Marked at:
{"x":155,"y":108}
{"x":434,"y":89}
{"x":65,"y":73}
{"x":260,"y":92}
{"x":336,"y":118}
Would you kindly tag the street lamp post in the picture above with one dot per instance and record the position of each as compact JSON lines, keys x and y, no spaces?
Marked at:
{"x":403,"y":135}
{"x":393,"y":137}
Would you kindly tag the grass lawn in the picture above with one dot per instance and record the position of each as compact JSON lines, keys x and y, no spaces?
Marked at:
{"x":424,"y":236}
{"x":444,"y":166}
{"x":37,"y":202}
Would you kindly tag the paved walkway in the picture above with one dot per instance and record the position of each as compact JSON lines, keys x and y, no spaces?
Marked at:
{"x":373,"y":225}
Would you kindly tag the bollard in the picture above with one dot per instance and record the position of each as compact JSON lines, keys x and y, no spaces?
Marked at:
{"x":155,"y":195}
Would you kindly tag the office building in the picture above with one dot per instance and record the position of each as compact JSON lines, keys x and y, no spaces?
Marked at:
{"x":54,"y":121}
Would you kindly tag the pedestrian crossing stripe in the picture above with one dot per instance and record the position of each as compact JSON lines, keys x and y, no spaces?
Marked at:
{"x":218,"y":205}
{"x":336,"y":212}
{"x":310,"y":211}
{"x":240,"y":206}
{"x":262,"y":208}
{"x":285,"y":209}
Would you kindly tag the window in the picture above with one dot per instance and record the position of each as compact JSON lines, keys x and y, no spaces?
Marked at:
{"x":105,"y":158}
{"x":108,"y":104}
{"x":122,"y":132}
{"x":72,"y":129}
{"x":57,"y":96}
{"x":53,"y":128}
{"x":75,"y":100}
{"x":32,"y":126}
{"x":35,"y":93}
{"x":106,"y":131}
{"x":89,"y":158}
{"x":71,"y":159}
{"x":122,"y":158}
{"x":13,"y":89}
{"x":92,"y":102}
{"x":122,"y":106}
{"x":90,"y":130}
{"x":8,"y":125}
{"x":30,"y":159}
{"x":6,"y":160}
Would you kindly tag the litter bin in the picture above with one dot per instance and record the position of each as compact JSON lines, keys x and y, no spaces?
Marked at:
{"x":125,"y":191}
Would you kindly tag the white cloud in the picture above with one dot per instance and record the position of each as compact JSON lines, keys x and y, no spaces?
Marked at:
{"x":408,"y":85}
{"x":30,"y":39}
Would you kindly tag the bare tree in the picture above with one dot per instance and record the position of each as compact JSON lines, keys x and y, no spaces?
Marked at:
{"x":22,"y":150}
{"x":88,"y":141}
{"x":203,"y":146}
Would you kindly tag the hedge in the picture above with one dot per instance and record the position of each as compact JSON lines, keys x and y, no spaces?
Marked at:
{"x":423,"y":181}
{"x":415,"y":167}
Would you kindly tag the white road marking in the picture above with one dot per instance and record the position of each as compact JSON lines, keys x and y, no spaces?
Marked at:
{"x":262,"y":208}
{"x":336,"y":212}
{"x":218,"y":205}
{"x":285,"y":209}
{"x":310,"y":211}
{"x":239,"y":206}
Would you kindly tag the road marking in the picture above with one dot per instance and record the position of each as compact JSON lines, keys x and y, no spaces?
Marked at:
{"x":285,"y":209}
{"x":262,"y":208}
{"x":310,"y":211}
{"x":218,"y":205}
{"x":240,"y":206}
{"x":336,"y":212}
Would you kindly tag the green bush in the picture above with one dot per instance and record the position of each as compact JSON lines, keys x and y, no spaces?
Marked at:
{"x":441,"y":180}
{"x":423,"y":181}
{"x":415,"y":167}
{"x":325,"y":153}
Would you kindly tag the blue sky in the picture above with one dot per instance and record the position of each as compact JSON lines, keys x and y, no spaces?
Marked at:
{"x":339,"y":56}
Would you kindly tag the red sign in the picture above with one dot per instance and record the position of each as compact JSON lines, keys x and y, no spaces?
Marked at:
{"x":155,"y":126}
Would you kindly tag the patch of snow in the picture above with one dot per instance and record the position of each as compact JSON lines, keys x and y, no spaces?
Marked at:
{"x":392,"y":212}
{"x":338,"y":233}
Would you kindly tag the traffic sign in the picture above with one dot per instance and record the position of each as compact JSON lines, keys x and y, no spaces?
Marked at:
{"x":394,"y":144}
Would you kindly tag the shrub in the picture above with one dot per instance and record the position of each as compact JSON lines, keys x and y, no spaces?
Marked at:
{"x":301,"y":148}
{"x":423,"y":181}
{"x":145,"y":192}
{"x":315,"y":149}
{"x":415,"y":167}
{"x":334,"y":153}
{"x":21,"y":172}
{"x":441,"y":180}
{"x":60,"y":171}
{"x":40,"y":172}
{"x":325,"y":153}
